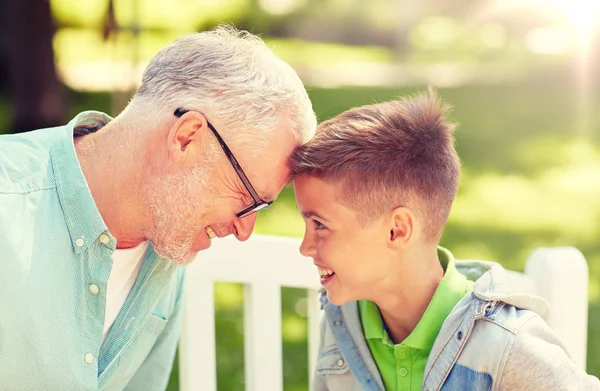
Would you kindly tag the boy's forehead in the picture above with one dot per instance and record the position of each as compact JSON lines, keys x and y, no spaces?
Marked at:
{"x":311,"y":185}
{"x":321,"y":199}
{"x":314,"y":193}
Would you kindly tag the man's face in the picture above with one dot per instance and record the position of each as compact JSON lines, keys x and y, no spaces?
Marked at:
{"x":189,"y":203}
{"x":352,"y":260}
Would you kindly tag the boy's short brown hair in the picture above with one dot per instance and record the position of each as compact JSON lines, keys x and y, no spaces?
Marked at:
{"x":386,"y":155}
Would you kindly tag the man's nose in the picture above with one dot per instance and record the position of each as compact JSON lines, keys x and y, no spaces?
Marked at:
{"x":244,"y":227}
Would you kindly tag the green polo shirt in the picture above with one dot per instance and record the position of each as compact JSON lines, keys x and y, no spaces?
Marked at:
{"x":402,"y":366}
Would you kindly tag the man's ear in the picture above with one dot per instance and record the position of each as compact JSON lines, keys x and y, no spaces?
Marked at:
{"x":187,"y":137}
{"x":402,"y":226}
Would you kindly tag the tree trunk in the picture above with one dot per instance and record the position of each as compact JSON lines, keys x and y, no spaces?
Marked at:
{"x":34,"y":90}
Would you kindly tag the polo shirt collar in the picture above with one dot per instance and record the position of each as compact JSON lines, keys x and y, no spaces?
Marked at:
{"x":451,"y":289}
{"x":372,"y":322}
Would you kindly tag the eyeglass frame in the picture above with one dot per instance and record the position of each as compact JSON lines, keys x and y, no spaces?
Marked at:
{"x":258,"y":203}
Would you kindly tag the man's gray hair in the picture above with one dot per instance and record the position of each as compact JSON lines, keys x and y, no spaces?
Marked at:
{"x":234,"y":79}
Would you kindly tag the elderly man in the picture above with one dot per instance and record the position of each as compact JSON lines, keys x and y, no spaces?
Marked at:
{"x":97,"y":215}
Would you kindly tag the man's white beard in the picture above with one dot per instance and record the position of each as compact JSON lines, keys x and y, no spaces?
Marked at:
{"x":176,"y":204}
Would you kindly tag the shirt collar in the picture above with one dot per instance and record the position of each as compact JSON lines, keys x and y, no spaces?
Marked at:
{"x":451,"y":289}
{"x":372,"y":322}
{"x":83,"y":219}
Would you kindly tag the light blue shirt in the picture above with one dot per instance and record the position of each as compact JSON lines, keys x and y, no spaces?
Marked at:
{"x":53,"y":250}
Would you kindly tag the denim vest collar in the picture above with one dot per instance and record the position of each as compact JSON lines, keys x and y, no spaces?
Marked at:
{"x":345,"y":325}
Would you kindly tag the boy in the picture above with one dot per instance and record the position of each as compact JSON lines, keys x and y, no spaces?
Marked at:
{"x":375,"y":187}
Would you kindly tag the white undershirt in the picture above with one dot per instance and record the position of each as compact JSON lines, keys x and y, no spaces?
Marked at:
{"x":126,"y":265}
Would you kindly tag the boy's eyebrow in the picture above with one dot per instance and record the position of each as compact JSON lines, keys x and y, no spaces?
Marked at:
{"x":310,"y":213}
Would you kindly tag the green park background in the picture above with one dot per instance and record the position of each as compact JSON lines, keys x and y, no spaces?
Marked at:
{"x":528,"y":119}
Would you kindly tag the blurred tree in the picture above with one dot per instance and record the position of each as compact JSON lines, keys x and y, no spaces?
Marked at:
{"x":109,"y":25}
{"x":408,"y":14}
{"x":3,"y":47}
{"x":35,"y":93}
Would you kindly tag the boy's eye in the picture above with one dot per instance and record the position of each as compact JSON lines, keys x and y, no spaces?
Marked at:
{"x":318,"y":224}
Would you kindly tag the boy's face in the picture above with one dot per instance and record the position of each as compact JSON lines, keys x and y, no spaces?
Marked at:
{"x":352,"y":260}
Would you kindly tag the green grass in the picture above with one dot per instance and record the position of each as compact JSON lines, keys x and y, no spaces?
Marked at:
{"x":529,"y":178}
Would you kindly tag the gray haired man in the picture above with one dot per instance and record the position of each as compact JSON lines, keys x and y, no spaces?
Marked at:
{"x":97,"y":216}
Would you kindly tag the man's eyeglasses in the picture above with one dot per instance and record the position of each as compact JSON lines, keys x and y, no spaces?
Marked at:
{"x":258,"y":203}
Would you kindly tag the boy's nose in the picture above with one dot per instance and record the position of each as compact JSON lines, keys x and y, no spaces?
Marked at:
{"x":307,"y":247}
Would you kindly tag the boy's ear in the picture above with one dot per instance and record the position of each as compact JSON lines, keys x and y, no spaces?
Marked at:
{"x":402,"y":227}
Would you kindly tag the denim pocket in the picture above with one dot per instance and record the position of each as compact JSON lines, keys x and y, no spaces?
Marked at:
{"x":462,"y":378}
{"x":331,"y":361}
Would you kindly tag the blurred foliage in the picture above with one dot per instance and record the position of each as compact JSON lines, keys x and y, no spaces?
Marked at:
{"x":435,"y":39}
{"x":4,"y":114}
{"x":528,"y":180}
{"x":174,"y":15}
{"x":309,"y":19}
{"x":529,"y":177}
{"x":74,"y":46}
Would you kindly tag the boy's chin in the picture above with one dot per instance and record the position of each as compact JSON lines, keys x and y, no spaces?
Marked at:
{"x":338,"y":299}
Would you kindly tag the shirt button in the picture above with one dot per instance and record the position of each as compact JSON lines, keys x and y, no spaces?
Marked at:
{"x":89,"y":358}
{"x":104,"y":239}
{"x":93,"y":289}
{"x":340,"y":363}
{"x":79,"y":242}
{"x":403,"y":372}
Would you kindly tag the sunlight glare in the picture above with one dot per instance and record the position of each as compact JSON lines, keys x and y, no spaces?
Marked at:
{"x":281,"y":7}
{"x":582,"y":13}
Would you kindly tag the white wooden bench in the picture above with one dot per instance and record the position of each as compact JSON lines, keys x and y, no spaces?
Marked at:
{"x":264,"y":264}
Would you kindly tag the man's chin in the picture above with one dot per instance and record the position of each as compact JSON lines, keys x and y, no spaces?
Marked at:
{"x":185,"y":261}
{"x":188,"y":258}
{"x":181,"y":257}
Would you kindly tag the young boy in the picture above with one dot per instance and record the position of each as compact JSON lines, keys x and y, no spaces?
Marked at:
{"x":375,"y":187}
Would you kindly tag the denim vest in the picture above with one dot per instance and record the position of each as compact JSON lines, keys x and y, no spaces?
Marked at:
{"x":486,"y":343}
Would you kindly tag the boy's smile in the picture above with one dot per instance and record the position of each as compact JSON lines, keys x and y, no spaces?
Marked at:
{"x":326,"y":274}
{"x":352,"y":259}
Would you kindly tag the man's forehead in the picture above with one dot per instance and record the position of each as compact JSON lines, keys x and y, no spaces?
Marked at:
{"x":273,"y":169}
{"x":272,"y":183}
